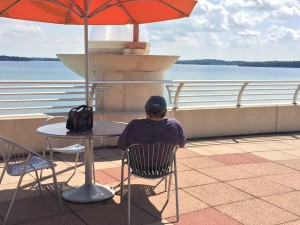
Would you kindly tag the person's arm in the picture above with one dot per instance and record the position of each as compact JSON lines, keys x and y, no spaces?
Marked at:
{"x":182,"y":139}
{"x":181,"y":136}
{"x":123,"y":140}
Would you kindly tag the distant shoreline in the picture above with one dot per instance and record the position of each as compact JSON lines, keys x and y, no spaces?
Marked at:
{"x":282,"y":64}
{"x":18,"y":58}
{"x":214,"y":62}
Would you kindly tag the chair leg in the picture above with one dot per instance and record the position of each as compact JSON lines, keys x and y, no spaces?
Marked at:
{"x":44,"y":154}
{"x":122,"y":181}
{"x":176,"y":190}
{"x":51,"y":155}
{"x":169,"y":188}
{"x":56,"y":186}
{"x":13,"y":198}
{"x":2,"y":174}
{"x":39,"y":182}
{"x":129,"y":193}
{"x":76,"y":161}
{"x":166,"y":183}
{"x":170,"y":181}
{"x":94,"y":175}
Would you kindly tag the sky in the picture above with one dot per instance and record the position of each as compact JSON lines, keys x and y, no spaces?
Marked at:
{"x":250,"y":30}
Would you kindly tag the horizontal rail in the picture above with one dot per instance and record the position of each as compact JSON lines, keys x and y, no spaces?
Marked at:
{"x":46,"y":95}
{"x":30,"y":94}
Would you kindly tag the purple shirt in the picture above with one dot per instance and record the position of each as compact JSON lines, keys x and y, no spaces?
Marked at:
{"x":144,"y":131}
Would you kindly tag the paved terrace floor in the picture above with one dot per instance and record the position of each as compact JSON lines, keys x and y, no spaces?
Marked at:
{"x":238,"y":180}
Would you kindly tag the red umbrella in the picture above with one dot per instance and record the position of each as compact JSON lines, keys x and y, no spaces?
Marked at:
{"x":97,"y":12}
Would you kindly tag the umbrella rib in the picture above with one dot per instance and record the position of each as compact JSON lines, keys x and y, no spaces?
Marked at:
{"x":86,"y":7}
{"x":107,"y":6}
{"x":100,"y":8}
{"x":68,"y":17}
{"x":9,"y":7}
{"x":77,"y":7}
{"x":64,"y":6}
{"x":118,"y":3}
{"x":172,"y":7}
{"x":125,"y":11}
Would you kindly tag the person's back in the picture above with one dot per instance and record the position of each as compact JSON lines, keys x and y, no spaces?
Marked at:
{"x":153,"y":129}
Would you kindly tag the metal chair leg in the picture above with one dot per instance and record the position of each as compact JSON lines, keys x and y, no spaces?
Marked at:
{"x":122,"y":180}
{"x":39,"y":182}
{"x":13,"y":198}
{"x":166,"y":183}
{"x":51,"y":155}
{"x":129,"y":194}
{"x":76,"y":161}
{"x":176,"y":190}
{"x":56,"y":187}
{"x":170,"y":182}
{"x":2,"y":174}
{"x":169,"y":188}
{"x":94,"y":175}
{"x":44,"y":154}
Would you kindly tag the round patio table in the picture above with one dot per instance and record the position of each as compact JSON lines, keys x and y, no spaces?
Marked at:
{"x":88,"y":192}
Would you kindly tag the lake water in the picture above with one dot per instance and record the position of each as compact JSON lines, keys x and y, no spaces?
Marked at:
{"x":58,"y":71}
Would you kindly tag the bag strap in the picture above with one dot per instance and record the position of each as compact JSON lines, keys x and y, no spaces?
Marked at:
{"x":79,"y":107}
{"x":85,"y":107}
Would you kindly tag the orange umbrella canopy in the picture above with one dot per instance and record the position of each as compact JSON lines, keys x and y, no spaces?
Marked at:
{"x":98,"y":12}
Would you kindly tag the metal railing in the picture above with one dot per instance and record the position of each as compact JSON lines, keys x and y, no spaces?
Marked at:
{"x":235,"y":92}
{"x":19,"y":96}
{"x":46,"y":96}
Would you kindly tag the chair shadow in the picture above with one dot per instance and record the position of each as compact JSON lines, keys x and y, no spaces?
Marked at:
{"x":29,"y":203}
{"x":30,"y":206}
{"x":140,"y":198}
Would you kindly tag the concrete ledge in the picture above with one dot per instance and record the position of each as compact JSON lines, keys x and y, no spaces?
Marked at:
{"x":213,"y":122}
{"x":197,"y":123}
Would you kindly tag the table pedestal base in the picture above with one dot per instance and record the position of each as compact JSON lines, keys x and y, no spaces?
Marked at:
{"x":88,"y":193}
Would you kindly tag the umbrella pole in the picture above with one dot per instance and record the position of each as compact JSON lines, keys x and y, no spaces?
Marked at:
{"x":136,"y":31}
{"x":86,"y":52}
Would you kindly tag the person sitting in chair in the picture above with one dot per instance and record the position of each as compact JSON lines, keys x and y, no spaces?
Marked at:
{"x":153,"y":129}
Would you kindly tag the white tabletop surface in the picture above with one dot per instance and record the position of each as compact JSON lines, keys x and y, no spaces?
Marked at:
{"x":100,"y":129}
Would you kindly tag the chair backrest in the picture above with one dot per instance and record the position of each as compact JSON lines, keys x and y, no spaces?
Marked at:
{"x":55,"y":142}
{"x":56,"y":119}
{"x":151,"y":160}
{"x":13,"y":153}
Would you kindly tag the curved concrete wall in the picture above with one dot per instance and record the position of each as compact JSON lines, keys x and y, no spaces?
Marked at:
{"x":197,"y":123}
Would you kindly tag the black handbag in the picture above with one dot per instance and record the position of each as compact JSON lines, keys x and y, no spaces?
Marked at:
{"x":80,"y":118}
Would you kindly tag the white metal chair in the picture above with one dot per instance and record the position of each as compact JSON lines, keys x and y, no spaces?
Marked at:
{"x":150,"y":161}
{"x":63,"y":145}
{"x":20,"y":161}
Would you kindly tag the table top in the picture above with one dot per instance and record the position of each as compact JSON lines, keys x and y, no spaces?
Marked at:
{"x":100,"y":129}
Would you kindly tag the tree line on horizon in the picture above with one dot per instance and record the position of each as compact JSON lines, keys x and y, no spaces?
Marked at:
{"x":18,"y":58}
{"x":214,"y":62}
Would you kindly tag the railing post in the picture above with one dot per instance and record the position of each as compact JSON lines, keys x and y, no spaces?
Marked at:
{"x":177,"y":96}
{"x":92,"y":93}
{"x":296,"y":95}
{"x":241,"y":93}
{"x":169,"y":93}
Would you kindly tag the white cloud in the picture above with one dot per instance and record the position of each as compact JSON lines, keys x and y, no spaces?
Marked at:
{"x":25,"y":38}
{"x":248,"y":33}
{"x":224,"y":28}
{"x":277,"y":34}
{"x":236,"y":24}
